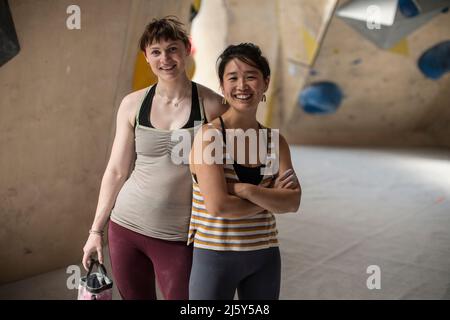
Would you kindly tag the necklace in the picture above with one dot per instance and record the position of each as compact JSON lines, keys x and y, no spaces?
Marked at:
{"x":175,"y":103}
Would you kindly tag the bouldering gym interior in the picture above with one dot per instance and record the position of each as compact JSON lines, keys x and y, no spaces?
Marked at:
{"x":360,"y":89}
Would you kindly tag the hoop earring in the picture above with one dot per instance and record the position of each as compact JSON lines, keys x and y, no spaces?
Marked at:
{"x":224,"y":101}
{"x":263,"y":99}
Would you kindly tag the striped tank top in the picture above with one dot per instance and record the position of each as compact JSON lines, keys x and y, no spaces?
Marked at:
{"x":233,"y":234}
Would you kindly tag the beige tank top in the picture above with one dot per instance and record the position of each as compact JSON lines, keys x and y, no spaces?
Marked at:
{"x":156,"y":199}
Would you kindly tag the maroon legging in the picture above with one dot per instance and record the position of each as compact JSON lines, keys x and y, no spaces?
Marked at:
{"x":135,"y":259}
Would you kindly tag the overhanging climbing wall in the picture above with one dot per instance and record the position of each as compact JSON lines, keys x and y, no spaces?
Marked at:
{"x":340,"y":81}
{"x":382,"y":95}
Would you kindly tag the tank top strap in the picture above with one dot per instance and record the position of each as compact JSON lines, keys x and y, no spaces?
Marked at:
{"x":202,"y":106}
{"x":197,"y":111}
{"x":224,"y":134}
{"x":269,"y":140}
{"x":268,"y":133}
{"x":136,"y":120}
{"x":146,"y":106}
{"x":202,"y":111}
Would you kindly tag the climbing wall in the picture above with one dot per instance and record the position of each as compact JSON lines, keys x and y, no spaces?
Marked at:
{"x":60,"y":88}
{"x":343,"y":81}
{"x":394,"y":96}
{"x":302,"y":27}
{"x":59,"y":97}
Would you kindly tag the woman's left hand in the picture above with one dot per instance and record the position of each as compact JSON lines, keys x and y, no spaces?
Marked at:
{"x":288,"y":180}
{"x":238,"y":189}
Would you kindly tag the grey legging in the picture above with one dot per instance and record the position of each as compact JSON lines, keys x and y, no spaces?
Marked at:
{"x":216,"y":275}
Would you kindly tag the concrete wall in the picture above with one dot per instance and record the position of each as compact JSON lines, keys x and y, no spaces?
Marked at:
{"x":220,"y":23}
{"x":58,"y":104}
{"x":209,"y":32}
{"x":437,"y":123}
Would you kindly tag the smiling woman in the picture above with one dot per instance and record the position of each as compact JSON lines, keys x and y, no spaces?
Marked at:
{"x":150,"y":206}
{"x":170,"y":50}
{"x":233,"y":226}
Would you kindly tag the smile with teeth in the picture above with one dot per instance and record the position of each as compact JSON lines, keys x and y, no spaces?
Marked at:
{"x":242,"y":96}
{"x":167,"y":68}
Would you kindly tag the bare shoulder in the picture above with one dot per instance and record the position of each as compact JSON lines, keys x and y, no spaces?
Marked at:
{"x":130,"y":104}
{"x":204,"y":133}
{"x":212,"y":102}
{"x":284,"y":146}
{"x":207,"y":92}
{"x":214,"y":124}
{"x":281,"y":139}
{"x":134,"y":98}
{"x":202,"y":140}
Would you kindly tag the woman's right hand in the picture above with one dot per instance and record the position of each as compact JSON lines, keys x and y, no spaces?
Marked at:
{"x":93,"y":245}
{"x":118,"y":169}
{"x":288,"y":180}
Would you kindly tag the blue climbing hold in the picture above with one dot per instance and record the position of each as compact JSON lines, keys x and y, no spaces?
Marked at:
{"x":320,"y":97}
{"x":435,"y":61}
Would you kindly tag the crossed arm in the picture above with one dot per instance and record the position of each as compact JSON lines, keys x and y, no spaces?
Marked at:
{"x":237,"y":200}
{"x":276,"y":200}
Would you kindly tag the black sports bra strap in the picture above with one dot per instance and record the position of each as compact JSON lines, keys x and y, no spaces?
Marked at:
{"x":195,"y":108}
{"x":195,"y":113}
{"x":224,"y":134}
{"x":146,"y":106}
{"x":205,"y":118}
